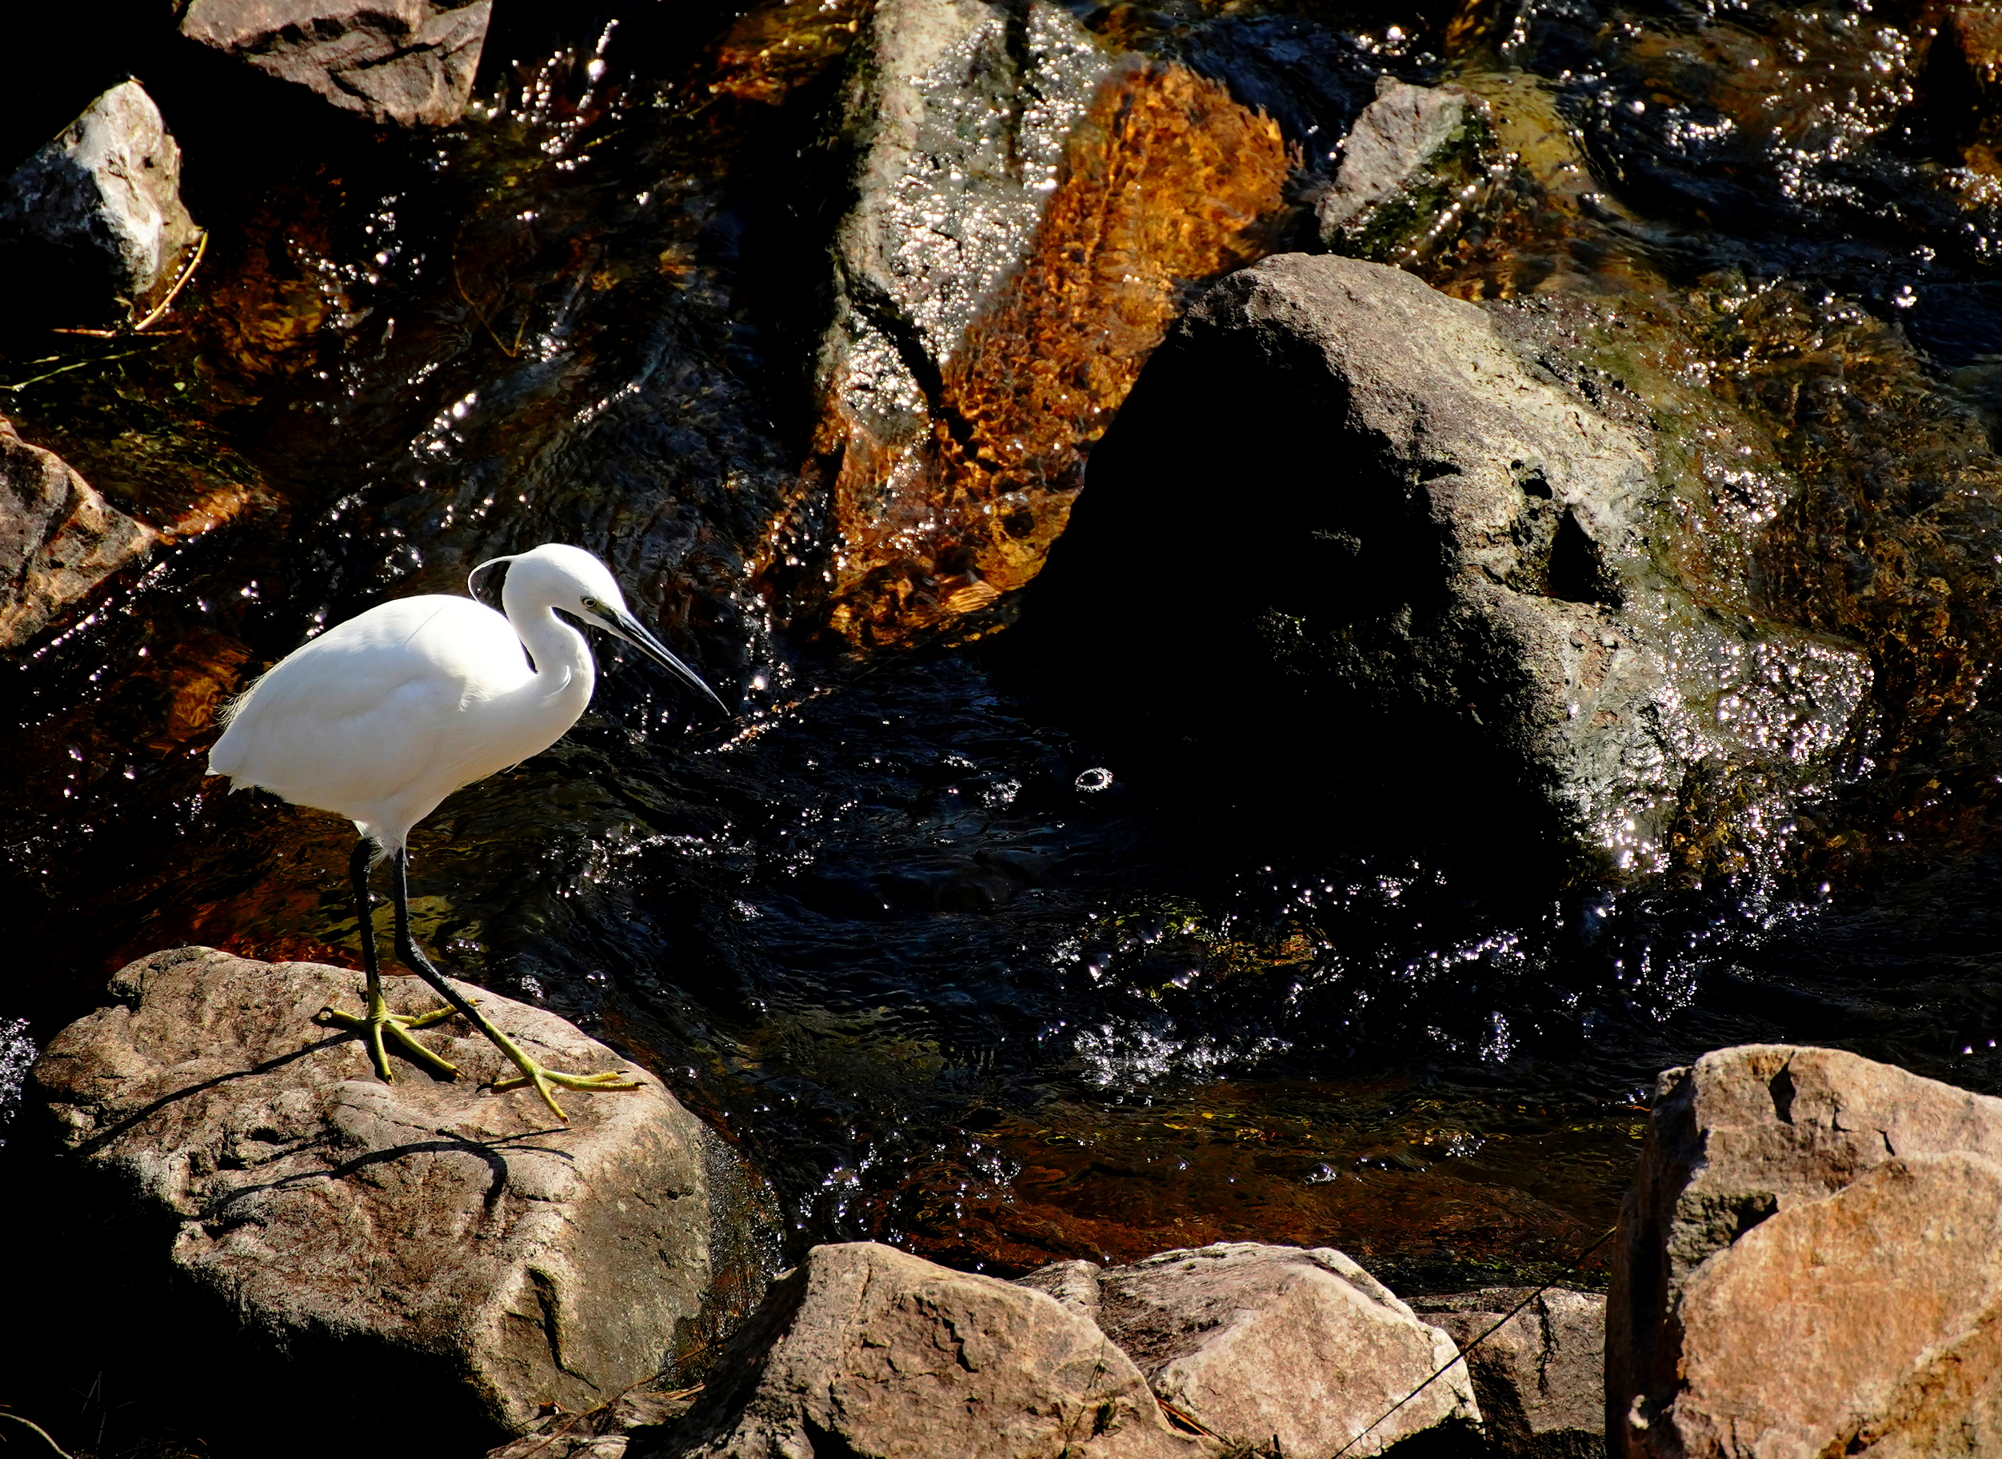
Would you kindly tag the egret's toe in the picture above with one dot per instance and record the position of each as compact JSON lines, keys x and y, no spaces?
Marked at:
{"x":545,"y":1081}
{"x":374,"y":1025}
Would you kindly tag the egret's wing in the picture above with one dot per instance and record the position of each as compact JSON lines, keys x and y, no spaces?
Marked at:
{"x":369,"y":707}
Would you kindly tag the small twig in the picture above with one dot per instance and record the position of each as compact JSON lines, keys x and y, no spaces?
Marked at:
{"x":570,"y":1421}
{"x":44,"y":1433}
{"x":1500,"y":1323}
{"x":65,"y":369}
{"x":1189,"y":1420}
{"x":201,"y":247}
{"x":480,"y":314}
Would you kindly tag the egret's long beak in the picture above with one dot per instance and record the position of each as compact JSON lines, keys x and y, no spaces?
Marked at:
{"x":625,"y":626}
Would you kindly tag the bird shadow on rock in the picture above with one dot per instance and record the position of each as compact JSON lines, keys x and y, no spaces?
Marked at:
{"x":138,"y":1117}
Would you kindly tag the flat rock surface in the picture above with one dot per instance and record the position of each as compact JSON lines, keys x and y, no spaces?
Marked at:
{"x":1540,"y":1375}
{"x":423,"y":1241}
{"x":410,"y":62}
{"x":864,"y":1350}
{"x":1276,"y":1342}
{"x":59,"y":539}
{"x":1808,"y":1263}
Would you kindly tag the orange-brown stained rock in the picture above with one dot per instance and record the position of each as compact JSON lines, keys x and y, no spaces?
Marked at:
{"x":1167,"y":182}
{"x":1869,"y":1322}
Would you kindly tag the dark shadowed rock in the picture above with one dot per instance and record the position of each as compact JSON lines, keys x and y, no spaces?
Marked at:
{"x":449,"y":1258}
{"x":1541,"y":1375}
{"x":1810,"y":1262}
{"x":405,"y":61}
{"x":1274,"y":1342}
{"x":867,"y":1351}
{"x":96,"y":215}
{"x":59,"y":539}
{"x":1439,"y":563}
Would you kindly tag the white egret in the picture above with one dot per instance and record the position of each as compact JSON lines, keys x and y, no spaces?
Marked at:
{"x":382,"y":717}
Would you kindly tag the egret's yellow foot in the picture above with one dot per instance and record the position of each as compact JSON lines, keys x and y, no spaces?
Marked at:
{"x":542,"y":1079}
{"x":373,"y":1024}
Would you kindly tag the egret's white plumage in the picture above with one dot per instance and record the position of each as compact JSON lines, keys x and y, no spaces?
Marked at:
{"x":383,"y":716}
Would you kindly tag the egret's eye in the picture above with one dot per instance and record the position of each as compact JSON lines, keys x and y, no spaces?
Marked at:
{"x":592,"y":605}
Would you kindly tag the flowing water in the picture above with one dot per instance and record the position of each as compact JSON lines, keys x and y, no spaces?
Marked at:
{"x":954,"y":967}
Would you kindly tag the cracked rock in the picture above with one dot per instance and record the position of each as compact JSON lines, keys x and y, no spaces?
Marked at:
{"x":864,"y":1350}
{"x":1810,"y":1262}
{"x":455,"y":1255}
{"x":410,"y":62}
{"x":96,"y":215}
{"x":1541,"y":1375}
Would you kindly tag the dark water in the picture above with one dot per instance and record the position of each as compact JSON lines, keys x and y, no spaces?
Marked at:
{"x":955,"y":965}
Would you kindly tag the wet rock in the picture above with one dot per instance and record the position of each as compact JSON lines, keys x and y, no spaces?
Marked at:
{"x":1441,"y":564}
{"x":96,"y":217}
{"x":1028,"y":210}
{"x":1416,"y":161}
{"x":1301,"y":1349}
{"x":865,"y":1350}
{"x":1541,"y":1375}
{"x":1810,"y":1261}
{"x":59,"y":539}
{"x":410,"y":62}
{"x":444,"y":1251}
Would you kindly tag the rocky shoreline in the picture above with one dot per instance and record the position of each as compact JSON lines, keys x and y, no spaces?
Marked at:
{"x":477,"y":1271}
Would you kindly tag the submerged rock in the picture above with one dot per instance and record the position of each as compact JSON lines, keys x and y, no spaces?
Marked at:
{"x":1540,"y":1376}
{"x":95,"y":217}
{"x":450,"y":1258}
{"x":1413,"y":164}
{"x":1301,"y":1349}
{"x":1028,"y":210}
{"x":410,"y":62}
{"x":1810,"y":1262}
{"x":59,"y":539}
{"x":1441,"y":564}
{"x":865,"y":1350}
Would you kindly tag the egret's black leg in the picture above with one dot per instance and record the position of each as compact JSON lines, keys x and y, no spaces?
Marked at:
{"x":532,"y":1073}
{"x":376,"y":1018}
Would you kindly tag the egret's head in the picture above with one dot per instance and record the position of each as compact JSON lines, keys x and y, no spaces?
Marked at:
{"x":572,"y":581}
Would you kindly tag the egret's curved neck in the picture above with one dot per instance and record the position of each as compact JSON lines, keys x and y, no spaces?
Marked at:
{"x":563,"y":665}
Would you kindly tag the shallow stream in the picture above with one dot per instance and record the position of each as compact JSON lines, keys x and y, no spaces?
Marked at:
{"x":953,"y":968}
